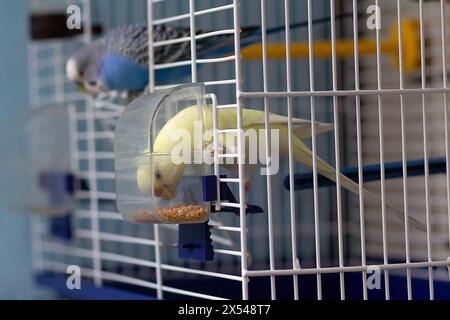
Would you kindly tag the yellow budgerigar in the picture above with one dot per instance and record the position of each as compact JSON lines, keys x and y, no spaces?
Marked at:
{"x":166,"y":174}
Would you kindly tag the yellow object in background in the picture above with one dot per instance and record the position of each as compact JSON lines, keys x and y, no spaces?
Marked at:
{"x":345,"y":48}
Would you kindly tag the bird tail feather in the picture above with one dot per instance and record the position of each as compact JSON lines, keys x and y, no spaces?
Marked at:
{"x":304,"y":155}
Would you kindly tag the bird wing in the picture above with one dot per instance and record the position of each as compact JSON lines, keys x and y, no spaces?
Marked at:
{"x":130,"y":41}
{"x":301,"y":127}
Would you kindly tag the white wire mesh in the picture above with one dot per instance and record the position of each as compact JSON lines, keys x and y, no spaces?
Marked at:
{"x":312,"y":232}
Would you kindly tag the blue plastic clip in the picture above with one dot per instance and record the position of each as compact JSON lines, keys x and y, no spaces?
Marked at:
{"x":209,"y":187}
{"x":61,"y":227}
{"x":194,"y":242}
{"x":60,"y":185}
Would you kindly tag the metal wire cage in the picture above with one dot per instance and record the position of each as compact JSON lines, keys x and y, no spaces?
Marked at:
{"x":390,"y":131}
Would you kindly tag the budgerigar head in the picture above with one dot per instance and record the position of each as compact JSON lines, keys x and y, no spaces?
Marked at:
{"x":164,"y":173}
{"x":83,"y":68}
{"x":160,"y":177}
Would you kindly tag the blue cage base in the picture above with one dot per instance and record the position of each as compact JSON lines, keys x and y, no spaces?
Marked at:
{"x":259,"y":288}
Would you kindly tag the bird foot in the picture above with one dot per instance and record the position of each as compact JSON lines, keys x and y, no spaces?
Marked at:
{"x":208,"y":148}
{"x":247,"y":186}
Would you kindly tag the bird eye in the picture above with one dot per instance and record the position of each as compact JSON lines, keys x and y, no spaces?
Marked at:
{"x":92,"y":83}
{"x":158,"y":175}
{"x":81,"y":74}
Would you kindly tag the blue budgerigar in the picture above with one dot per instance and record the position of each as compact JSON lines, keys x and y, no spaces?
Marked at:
{"x":119,"y":60}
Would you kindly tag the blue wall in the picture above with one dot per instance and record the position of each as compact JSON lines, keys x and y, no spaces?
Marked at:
{"x":15,"y":255}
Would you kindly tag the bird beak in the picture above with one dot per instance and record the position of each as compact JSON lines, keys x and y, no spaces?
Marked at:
{"x":166,"y":192}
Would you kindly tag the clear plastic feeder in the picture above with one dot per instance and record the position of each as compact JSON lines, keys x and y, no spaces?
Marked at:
{"x":153,"y":186}
{"x":48,"y":167}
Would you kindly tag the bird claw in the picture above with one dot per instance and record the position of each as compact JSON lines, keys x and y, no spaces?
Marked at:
{"x":209,"y":149}
{"x":247,"y":186}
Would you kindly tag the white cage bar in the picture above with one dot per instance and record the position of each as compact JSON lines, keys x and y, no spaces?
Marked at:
{"x":349,"y":236}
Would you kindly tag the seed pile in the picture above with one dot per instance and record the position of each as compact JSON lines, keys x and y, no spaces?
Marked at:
{"x":175,"y":214}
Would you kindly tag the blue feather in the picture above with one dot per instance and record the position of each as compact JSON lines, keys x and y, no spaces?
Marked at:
{"x":120,"y":73}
